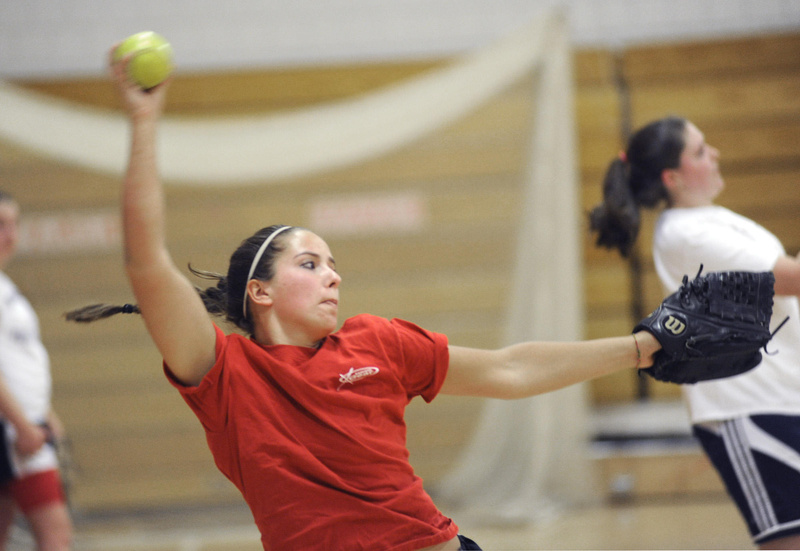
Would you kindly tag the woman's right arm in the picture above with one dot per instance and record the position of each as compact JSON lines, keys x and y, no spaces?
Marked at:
{"x":172,"y":310}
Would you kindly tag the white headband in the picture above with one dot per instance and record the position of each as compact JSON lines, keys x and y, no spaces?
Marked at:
{"x":256,"y":260}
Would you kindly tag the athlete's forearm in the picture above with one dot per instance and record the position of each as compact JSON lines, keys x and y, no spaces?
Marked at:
{"x":531,"y":368}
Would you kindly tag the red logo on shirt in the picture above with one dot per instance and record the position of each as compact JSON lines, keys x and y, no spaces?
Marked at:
{"x":354,"y":375}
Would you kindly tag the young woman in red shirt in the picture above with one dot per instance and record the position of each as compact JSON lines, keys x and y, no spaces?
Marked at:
{"x":307,"y":420}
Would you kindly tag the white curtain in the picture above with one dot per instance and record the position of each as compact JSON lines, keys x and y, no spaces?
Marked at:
{"x":528,"y":458}
{"x":264,"y":149}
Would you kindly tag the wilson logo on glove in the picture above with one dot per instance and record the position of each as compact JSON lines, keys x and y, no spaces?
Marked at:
{"x":674,"y":325}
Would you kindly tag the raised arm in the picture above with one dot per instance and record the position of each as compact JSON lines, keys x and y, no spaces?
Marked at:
{"x":530,"y":368}
{"x":173,"y":312}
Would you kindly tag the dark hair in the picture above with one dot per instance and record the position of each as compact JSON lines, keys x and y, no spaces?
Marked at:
{"x":226,"y":297}
{"x":634,"y":180}
{"x":5,"y":196}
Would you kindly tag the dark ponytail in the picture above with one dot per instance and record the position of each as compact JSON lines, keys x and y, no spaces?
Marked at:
{"x":99,"y":311}
{"x":225,"y":298}
{"x":616,"y":220}
{"x":633,"y":180}
{"x":214,"y":299}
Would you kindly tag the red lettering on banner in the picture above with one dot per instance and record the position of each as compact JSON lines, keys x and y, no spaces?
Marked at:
{"x":368,"y":214}
{"x":68,"y":233}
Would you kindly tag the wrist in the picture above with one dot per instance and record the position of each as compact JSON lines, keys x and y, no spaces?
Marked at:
{"x":646,"y":346}
{"x":638,"y":352}
{"x":143,"y":119}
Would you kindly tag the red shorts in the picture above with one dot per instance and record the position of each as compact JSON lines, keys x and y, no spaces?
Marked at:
{"x":36,"y":490}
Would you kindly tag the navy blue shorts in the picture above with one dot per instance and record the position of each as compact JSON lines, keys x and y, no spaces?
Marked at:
{"x":6,"y":453}
{"x":758,"y":459}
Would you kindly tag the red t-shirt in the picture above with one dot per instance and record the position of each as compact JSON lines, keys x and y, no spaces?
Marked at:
{"x":315,"y":438}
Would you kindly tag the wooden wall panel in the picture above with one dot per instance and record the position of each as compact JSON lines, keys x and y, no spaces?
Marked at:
{"x":712,"y":59}
{"x":607,"y":281}
{"x":721,"y":102}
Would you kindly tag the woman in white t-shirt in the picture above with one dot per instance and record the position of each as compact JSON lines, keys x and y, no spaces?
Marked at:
{"x":29,"y":476}
{"x":749,"y":425}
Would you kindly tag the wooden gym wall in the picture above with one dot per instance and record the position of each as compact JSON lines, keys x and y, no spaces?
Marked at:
{"x":135,"y":443}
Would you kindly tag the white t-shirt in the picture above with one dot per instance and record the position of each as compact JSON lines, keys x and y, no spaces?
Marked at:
{"x":24,"y":362}
{"x":722,"y":240}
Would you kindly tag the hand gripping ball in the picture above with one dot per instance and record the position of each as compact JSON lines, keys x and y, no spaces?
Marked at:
{"x":151,"y":61}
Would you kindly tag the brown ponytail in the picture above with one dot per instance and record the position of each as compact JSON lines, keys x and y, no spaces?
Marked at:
{"x":633,"y":180}
{"x":99,"y":311}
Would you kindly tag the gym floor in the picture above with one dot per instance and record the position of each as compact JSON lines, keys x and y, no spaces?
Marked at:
{"x":676,"y":523}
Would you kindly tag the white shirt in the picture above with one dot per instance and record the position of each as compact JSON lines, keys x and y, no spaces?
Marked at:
{"x":722,"y":240}
{"x":24,"y":362}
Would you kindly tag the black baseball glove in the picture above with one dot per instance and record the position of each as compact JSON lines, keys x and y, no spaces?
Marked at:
{"x":713,"y":327}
